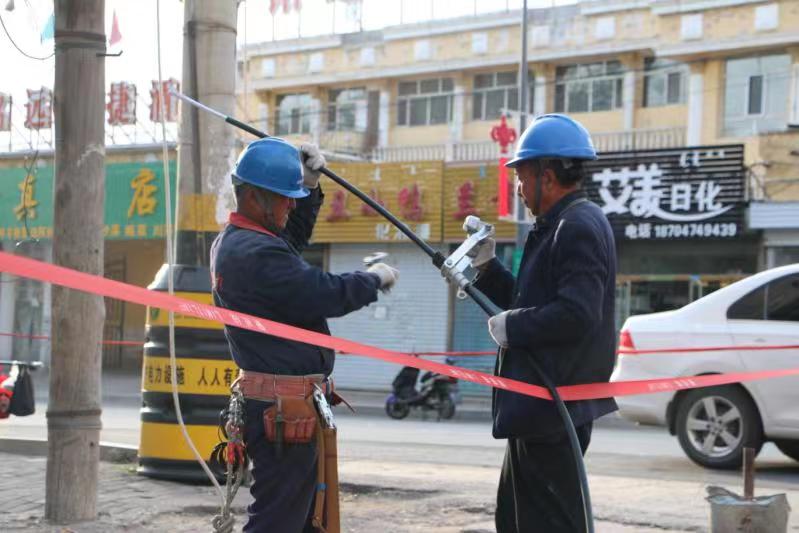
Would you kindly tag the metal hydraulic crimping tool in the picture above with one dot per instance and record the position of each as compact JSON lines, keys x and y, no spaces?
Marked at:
{"x":454,"y":267}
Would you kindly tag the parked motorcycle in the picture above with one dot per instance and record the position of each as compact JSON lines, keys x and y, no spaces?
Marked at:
{"x":436,"y":393}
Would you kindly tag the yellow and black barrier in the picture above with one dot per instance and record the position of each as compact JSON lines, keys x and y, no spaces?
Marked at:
{"x":204,"y":374}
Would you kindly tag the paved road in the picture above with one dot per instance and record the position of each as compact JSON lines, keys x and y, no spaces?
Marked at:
{"x":420,"y":472}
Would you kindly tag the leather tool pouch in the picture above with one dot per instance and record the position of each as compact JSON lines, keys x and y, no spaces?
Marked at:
{"x":290,"y":420}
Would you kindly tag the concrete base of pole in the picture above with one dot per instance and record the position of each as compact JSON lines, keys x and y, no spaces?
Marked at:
{"x":731,"y":513}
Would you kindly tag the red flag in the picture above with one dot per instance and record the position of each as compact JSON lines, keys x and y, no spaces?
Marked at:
{"x":116,"y":36}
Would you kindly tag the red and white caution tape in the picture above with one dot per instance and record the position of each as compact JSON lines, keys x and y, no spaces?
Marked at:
{"x":72,"y":279}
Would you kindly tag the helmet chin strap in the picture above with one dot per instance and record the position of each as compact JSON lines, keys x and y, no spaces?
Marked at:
{"x":264,"y":201}
{"x":537,"y":204}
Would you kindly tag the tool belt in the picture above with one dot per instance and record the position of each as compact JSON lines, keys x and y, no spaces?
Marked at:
{"x":295,"y":418}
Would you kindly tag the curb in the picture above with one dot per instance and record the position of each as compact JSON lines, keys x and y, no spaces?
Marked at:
{"x":110,"y":452}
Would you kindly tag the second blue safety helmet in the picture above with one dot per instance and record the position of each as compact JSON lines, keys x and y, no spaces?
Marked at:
{"x":553,"y":136}
{"x":272,"y":164}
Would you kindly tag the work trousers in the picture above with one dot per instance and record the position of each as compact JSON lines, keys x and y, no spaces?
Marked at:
{"x":284,"y":486}
{"x":539,"y":490}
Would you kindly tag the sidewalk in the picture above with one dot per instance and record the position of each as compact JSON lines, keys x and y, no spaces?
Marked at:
{"x":400,"y":500}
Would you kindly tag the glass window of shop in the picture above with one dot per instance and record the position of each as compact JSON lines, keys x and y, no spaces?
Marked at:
{"x":589,"y":87}
{"x":782,"y":255}
{"x":495,"y":92}
{"x":293,"y":114}
{"x":425,"y":102}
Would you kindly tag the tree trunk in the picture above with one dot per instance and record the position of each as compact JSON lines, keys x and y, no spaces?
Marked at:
{"x":73,"y":414}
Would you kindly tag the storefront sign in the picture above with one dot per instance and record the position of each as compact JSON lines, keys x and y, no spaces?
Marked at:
{"x":134,"y":205}
{"x":687,"y":193}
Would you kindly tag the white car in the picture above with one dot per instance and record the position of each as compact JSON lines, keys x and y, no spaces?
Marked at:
{"x":745,"y":319}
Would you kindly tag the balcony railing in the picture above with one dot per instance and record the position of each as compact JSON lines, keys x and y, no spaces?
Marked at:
{"x":489,"y":151}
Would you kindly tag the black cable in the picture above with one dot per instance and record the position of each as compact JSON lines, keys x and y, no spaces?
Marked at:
{"x":20,"y":50}
{"x":479,"y":298}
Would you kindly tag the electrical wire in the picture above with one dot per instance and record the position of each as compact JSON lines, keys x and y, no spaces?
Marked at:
{"x":20,"y":50}
{"x":170,"y":257}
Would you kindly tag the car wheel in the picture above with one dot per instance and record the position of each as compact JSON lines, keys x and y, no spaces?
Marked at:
{"x":789,"y":448}
{"x":715,"y":424}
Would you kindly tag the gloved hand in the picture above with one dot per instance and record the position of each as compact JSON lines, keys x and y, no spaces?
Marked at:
{"x":388,"y":275}
{"x":496,"y":328}
{"x":483,"y":253}
{"x":312,"y":161}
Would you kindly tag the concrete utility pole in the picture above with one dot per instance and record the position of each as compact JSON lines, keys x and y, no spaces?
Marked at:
{"x":73,"y":413}
{"x":206,"y":150}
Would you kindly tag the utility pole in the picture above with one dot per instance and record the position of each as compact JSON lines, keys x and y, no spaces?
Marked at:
{"x":521,"y":227}
{"x":73,"y":414}
{"x":206,"y":146}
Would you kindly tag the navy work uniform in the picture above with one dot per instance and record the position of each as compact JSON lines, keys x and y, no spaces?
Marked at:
{"x":258,"y":272}
{"x":562,"y":303}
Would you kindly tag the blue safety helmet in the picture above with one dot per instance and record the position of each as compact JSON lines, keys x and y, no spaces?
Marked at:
{"x":554,"y":137}
{"x":272,"y":164}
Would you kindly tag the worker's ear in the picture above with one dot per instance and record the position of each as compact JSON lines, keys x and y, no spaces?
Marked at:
{"x":550,"y":179}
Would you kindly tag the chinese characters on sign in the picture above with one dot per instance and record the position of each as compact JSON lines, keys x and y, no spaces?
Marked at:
{"x":387,"y":232}
{"x":27,"y":203}
{"x":410,"y":202}
{"x":122,"y":104}
{"x":664,"y":194}
{"x":39,"y":109}
{"x":466,"y":201}
{"x":200,"y":376}
{"x":170,"y":102}
{"x":338,"y":208}
{"x":367,"y":211}
{"x":143,"y":201}
{"x":5,"y":112}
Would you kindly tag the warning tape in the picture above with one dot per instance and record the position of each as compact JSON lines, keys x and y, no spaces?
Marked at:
{"x":72,"y":279}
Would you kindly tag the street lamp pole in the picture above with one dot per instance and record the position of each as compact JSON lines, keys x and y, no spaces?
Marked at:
{"x":521,"y":227}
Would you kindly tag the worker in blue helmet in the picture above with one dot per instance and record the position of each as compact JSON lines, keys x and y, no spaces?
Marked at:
{"x":559,"y":311}
{"x":257,"y":268}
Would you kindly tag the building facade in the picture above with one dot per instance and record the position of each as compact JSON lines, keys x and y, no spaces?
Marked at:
{"x":690,"y":103}
{"x":134,"y":247}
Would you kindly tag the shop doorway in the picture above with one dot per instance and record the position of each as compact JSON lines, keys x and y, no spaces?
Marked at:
{"x":644,"y":294}
{"x":113,"y":327}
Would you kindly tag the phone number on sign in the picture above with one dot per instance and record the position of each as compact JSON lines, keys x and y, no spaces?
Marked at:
{"x":695,"y":230}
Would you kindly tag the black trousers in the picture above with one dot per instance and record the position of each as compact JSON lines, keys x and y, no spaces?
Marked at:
{"x":539,"y":490}
{"x":284,"y":486}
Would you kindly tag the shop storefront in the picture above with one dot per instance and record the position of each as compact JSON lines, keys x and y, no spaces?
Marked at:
{"x":134,"y":250}
{"x":421,"y":312}
{"x":678,"y":218}
{"x":779,"y":222}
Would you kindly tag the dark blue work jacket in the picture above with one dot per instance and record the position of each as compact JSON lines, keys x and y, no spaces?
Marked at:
{"x":563,"y":315}
{"x":261,"y":274}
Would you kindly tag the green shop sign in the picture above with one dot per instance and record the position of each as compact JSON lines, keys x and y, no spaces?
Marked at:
{"x":134,"y":201}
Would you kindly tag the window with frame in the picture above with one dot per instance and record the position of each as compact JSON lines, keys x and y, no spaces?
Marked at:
{"x":293,"y":115}
{"x":425,"y":102}
{"x":589,"y":87}
{"x":342,"y":108}
{"x":757,"y":94}
{"x":778,"y":300}
{"x":664,"y":82}
{"x":497,"y":91}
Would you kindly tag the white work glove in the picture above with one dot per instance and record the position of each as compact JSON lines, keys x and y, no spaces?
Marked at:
{"x":483,"y":253}
{"x":497,"y":330}
{"x":312,"y":160}
{"x":388,"y":275}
